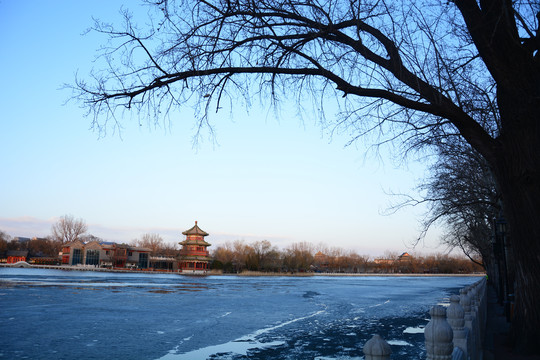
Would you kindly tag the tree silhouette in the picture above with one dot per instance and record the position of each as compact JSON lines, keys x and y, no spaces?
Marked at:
{"x":68,"y":229}
{"x":419,"y":72}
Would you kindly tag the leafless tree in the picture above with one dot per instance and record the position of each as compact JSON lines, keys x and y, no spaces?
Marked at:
{"x":43,"y":247}
{"x":299,"y":256}
{"x":462,"y":195}
{"x":5,"y":238}
{"x":90,"y":237}
{"x":68,"y":229}
{"x":150,"y":241}
{"x":419,"y":70}
{"x":262,"y":256}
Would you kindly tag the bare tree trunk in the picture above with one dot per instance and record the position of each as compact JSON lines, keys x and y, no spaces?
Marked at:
{"x":519,"y":180}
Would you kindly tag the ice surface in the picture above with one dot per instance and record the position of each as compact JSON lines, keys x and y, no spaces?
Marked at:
{"x":53,"y":314}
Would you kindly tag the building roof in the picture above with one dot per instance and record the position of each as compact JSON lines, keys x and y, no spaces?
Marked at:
{"x":194,"y":257}
{"x":194,"y":242}
{"x":17,"y":253}
{"x":195,"y":230}
{"x":74,"y":242}
{"x":140,"y":249}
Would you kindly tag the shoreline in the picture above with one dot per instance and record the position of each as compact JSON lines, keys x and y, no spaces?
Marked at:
{"x":244,"y":273}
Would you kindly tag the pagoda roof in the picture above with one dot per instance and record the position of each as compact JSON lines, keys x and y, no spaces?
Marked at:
{"x":195,"y":230}
{"x":194,"y":257}
{"x":194,"y":242}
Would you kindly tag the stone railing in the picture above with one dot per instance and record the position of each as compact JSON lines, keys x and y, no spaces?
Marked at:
{"x":453,"y":333}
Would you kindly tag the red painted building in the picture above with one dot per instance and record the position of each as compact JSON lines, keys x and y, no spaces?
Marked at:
{"x":194,"y":256}
{"x":14,"y":256}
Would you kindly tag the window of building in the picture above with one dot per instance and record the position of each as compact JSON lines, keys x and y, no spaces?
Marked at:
{"x":92,"y":257}
{"x":77,"y":257}
{"x":143,"y":260}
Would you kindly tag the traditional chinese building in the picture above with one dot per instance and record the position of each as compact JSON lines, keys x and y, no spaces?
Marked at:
{"x":14,"y":256}
{"x":321,"y":261}
{"x":194,"y":255}
{"x":105,"y":254}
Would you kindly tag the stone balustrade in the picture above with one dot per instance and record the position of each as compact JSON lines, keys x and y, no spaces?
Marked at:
{"x":453,"y":333}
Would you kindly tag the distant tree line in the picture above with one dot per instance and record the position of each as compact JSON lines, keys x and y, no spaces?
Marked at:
{"x":238,"y":256}
{"x":36,"y":247}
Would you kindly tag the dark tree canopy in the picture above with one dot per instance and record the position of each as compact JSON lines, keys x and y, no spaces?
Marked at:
{"x":422,"y":72}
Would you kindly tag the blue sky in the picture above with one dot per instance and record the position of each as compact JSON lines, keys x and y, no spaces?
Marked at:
{"x":285,"y":180}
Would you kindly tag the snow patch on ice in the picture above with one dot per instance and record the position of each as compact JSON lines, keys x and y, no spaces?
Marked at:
{"x":236,"y":347}
{"x":398,"y":343}
{"x":340,"y":358}
{"x":414,"y":330}
{"x":386,"y":302}
{"x":239,"y":346}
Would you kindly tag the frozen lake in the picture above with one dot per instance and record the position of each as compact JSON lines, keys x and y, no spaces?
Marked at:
{"x":54,"y":314}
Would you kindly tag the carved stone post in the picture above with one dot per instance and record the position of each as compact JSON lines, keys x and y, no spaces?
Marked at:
{"x":438,"y":335}
{"x":476,"y":342}
{"x":465,"y":302}
{"x":377,"y":348}
{"x":482,"y":308}
{"x":455,"y":314}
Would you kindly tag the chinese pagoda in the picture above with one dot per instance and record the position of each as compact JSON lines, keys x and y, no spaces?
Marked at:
{"x":194,"y":256}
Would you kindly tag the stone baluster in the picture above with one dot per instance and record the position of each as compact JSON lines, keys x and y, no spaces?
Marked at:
{"x":475,"y":331}
{"x":465,"y":302}
{"x":455,"y":314}
{"x":438,"y":335}
{"x":474,"y":305}
{"x":377,"y":348}
{"x":483,"y":307}
{"x":480,"y":317}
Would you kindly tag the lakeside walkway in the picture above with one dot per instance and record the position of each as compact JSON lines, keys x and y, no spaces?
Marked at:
{"x":497,"y":342}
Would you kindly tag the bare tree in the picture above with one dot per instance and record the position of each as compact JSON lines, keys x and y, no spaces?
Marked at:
{"x":68,"y":229}
{"x":264,"y":255}
{"x":299,"y":256}
{"x":43,"y":247}
{"x":422,"y":70}
{"x":150,"y":241}
{"x":461,"y":194}
{"x":5,"y":238}
{"x":464,"y":195}
{"x":90,"y":237}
